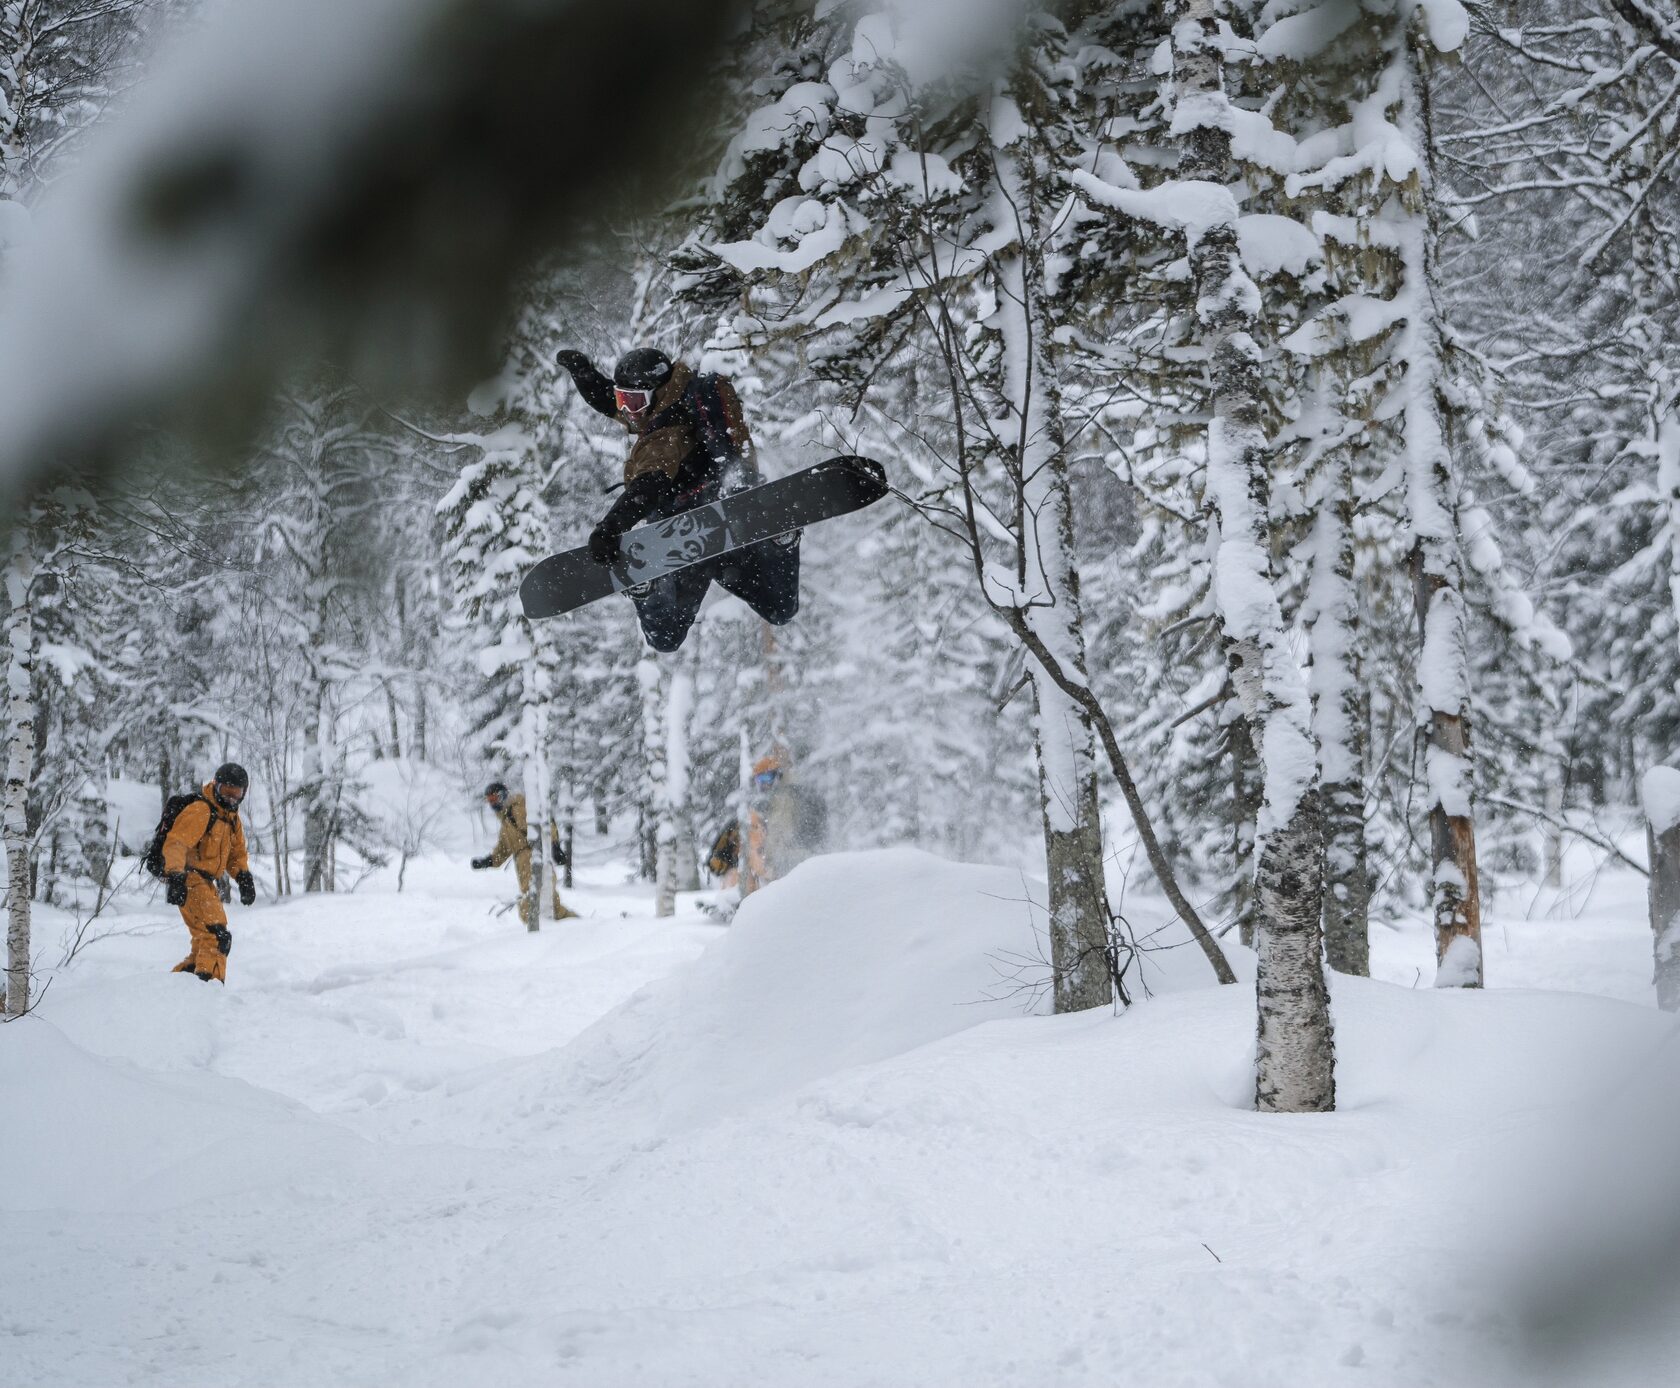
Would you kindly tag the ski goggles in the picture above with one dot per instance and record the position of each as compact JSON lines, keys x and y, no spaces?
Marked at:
{"x":232,"y":794}
{"x":765,"y":779}
{"x":632,"y":401}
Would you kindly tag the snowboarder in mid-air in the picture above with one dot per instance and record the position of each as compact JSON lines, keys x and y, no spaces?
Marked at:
{"x":691,"y":448}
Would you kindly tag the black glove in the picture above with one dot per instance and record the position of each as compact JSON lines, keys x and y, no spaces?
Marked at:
{"x":176,"y":892}
{"x":224,"y":938}
{"x":483,"y":862}
{"x":247,"y":888}
{"x":640,"y":498}
{"x":603,"y":543}
{"x":574,"y":361}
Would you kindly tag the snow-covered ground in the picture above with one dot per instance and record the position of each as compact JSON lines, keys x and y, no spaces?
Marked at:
{"x":410,"y":1144}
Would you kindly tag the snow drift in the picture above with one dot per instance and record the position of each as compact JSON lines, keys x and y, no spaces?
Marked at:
{"x":850,"y":959}
{"x":825,"y":1147}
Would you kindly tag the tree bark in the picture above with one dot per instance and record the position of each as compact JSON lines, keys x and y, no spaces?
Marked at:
{"x":679,"y":718}
{"x":1661,"y":793}
{"x":1063,"y":739}
{"x":1339,"y":720}
{"x":20,"y":750}
{"x":1295,"y":1057}
{"x":1436,"y":569}
{"x":655,"y":682}
{"x":1246,"y":794}
{"x":1665,"y":914}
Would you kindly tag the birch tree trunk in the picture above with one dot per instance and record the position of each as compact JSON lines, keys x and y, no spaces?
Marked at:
{"x":1339,"y":721}
{"x":1661,"y":794}
{"x":1247,"y":792}
{"x":1295,"y":1060}
{"x":17,"y":44}
{"x":20,"y":750}
{"x":743,"y":816}
{"x":317,"y":807}
{"x":537,"y":687}
{"x":1063,"y":736}
{"x":679,"y":789}
{"x":1436,"y":568}
{"x":655,"y":682}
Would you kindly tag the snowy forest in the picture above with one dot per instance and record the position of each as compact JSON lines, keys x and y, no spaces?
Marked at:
{"x":1268,"y":650}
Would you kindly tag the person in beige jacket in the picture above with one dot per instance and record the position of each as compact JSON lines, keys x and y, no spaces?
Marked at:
{"x":514,"y":842}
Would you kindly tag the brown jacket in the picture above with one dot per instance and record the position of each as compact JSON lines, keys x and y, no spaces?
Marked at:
{"x":206,"y":838}
{"x":513,"y":839}
{"x":672,"y":433}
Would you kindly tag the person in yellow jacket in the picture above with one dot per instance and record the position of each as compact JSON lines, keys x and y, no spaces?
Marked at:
{"x":514,"y":842}
{"x":786,"y":825}
{"x":207,"y":842}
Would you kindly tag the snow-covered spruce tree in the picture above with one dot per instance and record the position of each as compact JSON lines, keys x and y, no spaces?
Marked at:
{"x":1558,"y":143}
{"x":498,"y":526}
{"x":880,"y":208}
{"x":320,"y":486}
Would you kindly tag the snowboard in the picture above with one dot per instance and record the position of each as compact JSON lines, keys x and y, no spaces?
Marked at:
{"x":564,"y":582}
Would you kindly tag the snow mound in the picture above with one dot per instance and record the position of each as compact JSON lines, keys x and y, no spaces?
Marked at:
{"x":851,"y":959}
{"x":107,"y":1135}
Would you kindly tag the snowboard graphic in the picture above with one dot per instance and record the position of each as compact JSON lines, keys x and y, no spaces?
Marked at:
{"x":564,"y":582}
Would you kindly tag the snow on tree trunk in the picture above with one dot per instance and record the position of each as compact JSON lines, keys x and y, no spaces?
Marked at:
{"x":1660,"y":792}
{"x":655,"y":681}
{"x":20,"y":750}
{"x":1246,"y":795}
{"x":1064,"y":739}
{"x":534,"y":693}
{"x":317,"y":805}
{"x":1295,"y":1061}
{"x":1668,"y":491}
{"x":1436,"y":569}
{"x":17,"y":42}
{"x":1339,"y":720}
{"x":679,"y":807}
{"x":743,"y":815}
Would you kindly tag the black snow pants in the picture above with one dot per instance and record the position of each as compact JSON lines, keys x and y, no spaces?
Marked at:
{"x":765,"y":577}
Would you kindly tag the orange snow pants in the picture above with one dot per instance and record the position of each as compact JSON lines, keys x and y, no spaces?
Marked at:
{"x":207,"y":924}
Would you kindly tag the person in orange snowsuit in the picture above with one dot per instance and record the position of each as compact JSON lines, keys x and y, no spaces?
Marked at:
{"x":207,"y":842}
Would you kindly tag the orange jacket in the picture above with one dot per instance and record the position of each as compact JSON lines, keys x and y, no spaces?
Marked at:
{"x":206,"y":838}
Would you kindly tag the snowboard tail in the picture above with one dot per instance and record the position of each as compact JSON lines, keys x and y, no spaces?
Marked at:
{"x":835,"y":487}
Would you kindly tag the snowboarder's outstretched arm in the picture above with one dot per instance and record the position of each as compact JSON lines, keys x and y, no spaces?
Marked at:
{"x":596,"y":389}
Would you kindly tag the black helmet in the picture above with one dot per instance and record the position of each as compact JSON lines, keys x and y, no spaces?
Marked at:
{"x":495,"y":791}
{"x":645,"y":368}
{"x":232,"y":775}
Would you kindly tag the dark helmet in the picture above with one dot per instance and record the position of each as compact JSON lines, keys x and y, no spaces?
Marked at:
{"x":231,"y":776}
{"x":644,"y":368}
{"x":495,"y":791}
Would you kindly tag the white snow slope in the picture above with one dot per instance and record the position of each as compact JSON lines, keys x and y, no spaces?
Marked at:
{"x":410,"y":1144}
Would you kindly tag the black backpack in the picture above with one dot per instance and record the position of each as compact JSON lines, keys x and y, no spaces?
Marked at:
{"x":172,"y":808}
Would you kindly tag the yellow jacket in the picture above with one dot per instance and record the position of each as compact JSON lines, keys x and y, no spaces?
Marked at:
{"x":206,"y":838}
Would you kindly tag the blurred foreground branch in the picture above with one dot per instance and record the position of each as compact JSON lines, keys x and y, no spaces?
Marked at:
{"x":310,"y":179}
